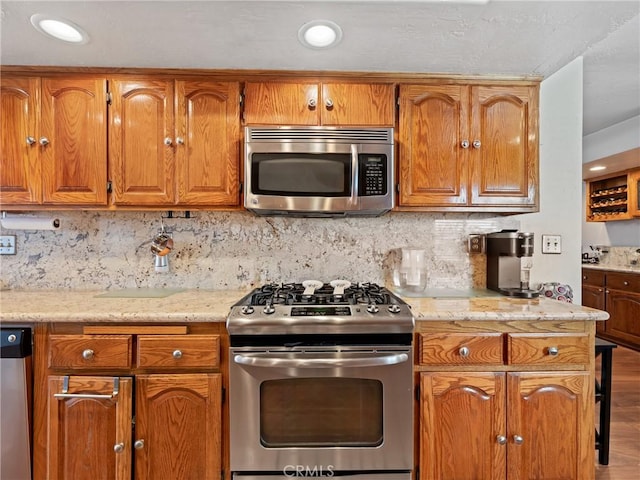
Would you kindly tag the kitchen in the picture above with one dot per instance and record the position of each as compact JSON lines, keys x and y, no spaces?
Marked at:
{"x":234,"y":250}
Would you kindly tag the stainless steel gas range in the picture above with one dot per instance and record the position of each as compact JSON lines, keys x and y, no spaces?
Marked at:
{"x":321,"y":383}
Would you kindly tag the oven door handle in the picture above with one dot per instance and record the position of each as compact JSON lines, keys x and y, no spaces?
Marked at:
{"x":270,"y":360}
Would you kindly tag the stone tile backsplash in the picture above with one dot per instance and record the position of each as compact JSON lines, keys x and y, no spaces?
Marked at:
{"x":218,"y":250}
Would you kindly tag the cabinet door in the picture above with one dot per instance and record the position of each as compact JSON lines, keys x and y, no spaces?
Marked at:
{"x":89,"y":429}
{"x":178,"y":419}
{"x":357,"y":104}
{"x":20,"y":171}
{"x":624,"y":316}
{"x":433,"y":164}
{"x":74,"y":162}
{"x":207,"y":143}
{"x":461,"y":417}
{"x":550,"y":422}
{"x":504,"y":164}
{"x":281,"y":103}
{"x":594,"y":297}
{"x":141,"y":143}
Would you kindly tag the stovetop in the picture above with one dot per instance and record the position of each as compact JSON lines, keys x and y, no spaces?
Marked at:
{"x":310,"y":307}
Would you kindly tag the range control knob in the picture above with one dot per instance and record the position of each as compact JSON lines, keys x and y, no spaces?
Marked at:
{"x":372,"y":308}
{"x":268,"y":310}
{"x":247,"y":310}
{"x":394,"y":308}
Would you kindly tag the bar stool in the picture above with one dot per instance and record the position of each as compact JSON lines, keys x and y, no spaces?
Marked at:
{"x":603,"y":395}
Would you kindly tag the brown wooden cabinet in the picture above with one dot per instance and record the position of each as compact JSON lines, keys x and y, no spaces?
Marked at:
{"x":468,"y":147}
{"x":319,"y":103}
{"x":614,"y":197}
{"x":131,"y":404}
{"x":54,"y":140}
{"x":498,"y":401}
{"x":174,"y":142}
{"x":618,"y":293}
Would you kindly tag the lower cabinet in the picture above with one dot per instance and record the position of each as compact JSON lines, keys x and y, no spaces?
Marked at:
{"x":529,"y":418}
{"x":131,"y":406}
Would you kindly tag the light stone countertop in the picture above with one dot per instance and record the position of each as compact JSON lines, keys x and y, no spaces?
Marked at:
{"x":23,"y":306}
{"x":612,"y":268}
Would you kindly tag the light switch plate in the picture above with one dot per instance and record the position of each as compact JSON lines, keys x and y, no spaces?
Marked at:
{"x":7,"y":244}
{"x":551,"y":244}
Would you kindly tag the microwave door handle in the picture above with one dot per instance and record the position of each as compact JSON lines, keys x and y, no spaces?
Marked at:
{"x":355,"y":173}
{"x":271,"y":361}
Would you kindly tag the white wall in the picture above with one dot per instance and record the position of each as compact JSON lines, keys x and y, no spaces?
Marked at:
{"x":560,"y":179}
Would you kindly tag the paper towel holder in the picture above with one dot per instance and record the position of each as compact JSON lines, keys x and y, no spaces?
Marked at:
{"x":28,"y":222}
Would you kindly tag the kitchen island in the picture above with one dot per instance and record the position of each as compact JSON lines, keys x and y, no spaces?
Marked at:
{"x":505,"y":385}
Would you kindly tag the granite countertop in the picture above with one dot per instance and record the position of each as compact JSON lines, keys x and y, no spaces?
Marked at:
{"x":612,"y":268}
{"x":177,"y":305}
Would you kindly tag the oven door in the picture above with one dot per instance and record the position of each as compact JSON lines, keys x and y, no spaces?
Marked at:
{"x":311,"y":410}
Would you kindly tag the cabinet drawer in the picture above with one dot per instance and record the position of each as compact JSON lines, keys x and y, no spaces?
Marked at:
{"x":628,"y":282}
{"x":548,"y":349}
{"x":592,"y":277}
{"x":461,"y":349}
{"x":90,"y":351}
{"x":178,"y":351}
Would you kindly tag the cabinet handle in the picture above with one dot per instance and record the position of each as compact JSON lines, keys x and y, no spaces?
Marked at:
{"x":464,"y":144}
{"x":328,"y":103}
{"x":476,"y":144}
{"x":464,"y":351}
{"x":625,"y":283}
{"x":180,"y":140}
{"x":600,"y":290}
{"x":501,"y":439}
{"x":518,"y":440}
{"x":87,"y":354}
{"x":44,"y":141}
{"x":31,"y":140}
{"x":168,"y":141}
{"x":312,"y":103}
{"x":177,"y":354}
{"x":584,"y":277}
{"x":118,"y":447}
{"x":553,"y":351}
{"x":138,"y":444}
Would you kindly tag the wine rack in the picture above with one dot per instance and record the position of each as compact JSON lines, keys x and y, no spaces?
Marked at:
{"x":613,"y":198}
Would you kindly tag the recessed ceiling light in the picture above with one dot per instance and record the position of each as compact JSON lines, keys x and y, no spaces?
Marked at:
{"x":597,"y":168}
{"x":319,"y":34}
{"x":59,"y":28}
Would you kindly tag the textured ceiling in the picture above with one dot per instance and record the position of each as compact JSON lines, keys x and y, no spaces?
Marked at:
{"x":500,"y":37}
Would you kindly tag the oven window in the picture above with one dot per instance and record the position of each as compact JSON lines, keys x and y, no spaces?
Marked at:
{"x":303,"y":174}
{"x":321,"y":412}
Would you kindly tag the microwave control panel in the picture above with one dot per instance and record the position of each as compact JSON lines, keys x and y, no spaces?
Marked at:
{"x":373,"y":174}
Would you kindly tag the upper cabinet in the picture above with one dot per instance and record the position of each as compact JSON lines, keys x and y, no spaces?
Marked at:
{"x":472,"y":147}
{"x":174,"y":142}
{"x":54,"y":140}
{"x":331,"y":104}
{"x":614,"y":197}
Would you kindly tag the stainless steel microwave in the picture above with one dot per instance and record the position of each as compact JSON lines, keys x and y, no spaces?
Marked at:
{"x":318,"y":171}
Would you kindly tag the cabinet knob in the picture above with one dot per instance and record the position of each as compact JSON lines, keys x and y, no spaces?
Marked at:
{"x":138,"y":444}
{"x":328,"y":103}
{"x":87,"y":354}
{"x":626,"y":284}
{"x":465,"y":144}
{"x":518,"y":440}
{"x":44,"y":141}
{"x":600,"y":289}
{"x":180,"y":140}
{"x":501,"y":439}
{"x":553,"y":351}
{"x":476,"y":144}
{"x":584,"y":277}
{"x":31,"y":140}
{"x":177,"y":354}
{"x":312,"y":103}
{"x":168,"y":141}
{"x":464,"y":351}
{"x":118,"y":447}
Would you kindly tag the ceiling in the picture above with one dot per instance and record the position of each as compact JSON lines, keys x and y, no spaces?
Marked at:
{"x":425,"y":36}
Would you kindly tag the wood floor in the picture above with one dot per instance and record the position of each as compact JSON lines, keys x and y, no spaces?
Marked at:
{"x":624,"y":453}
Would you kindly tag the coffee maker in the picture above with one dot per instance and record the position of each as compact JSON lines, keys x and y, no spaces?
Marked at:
{"x":507,"y":273}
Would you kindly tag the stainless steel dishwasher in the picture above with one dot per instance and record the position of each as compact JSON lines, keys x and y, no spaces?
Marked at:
{"x":15,"y":403}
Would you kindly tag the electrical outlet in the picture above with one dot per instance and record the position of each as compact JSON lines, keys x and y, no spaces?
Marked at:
{"x":476,"y":243}
{"x":7,"y":245}
{"x":551,"y":244}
